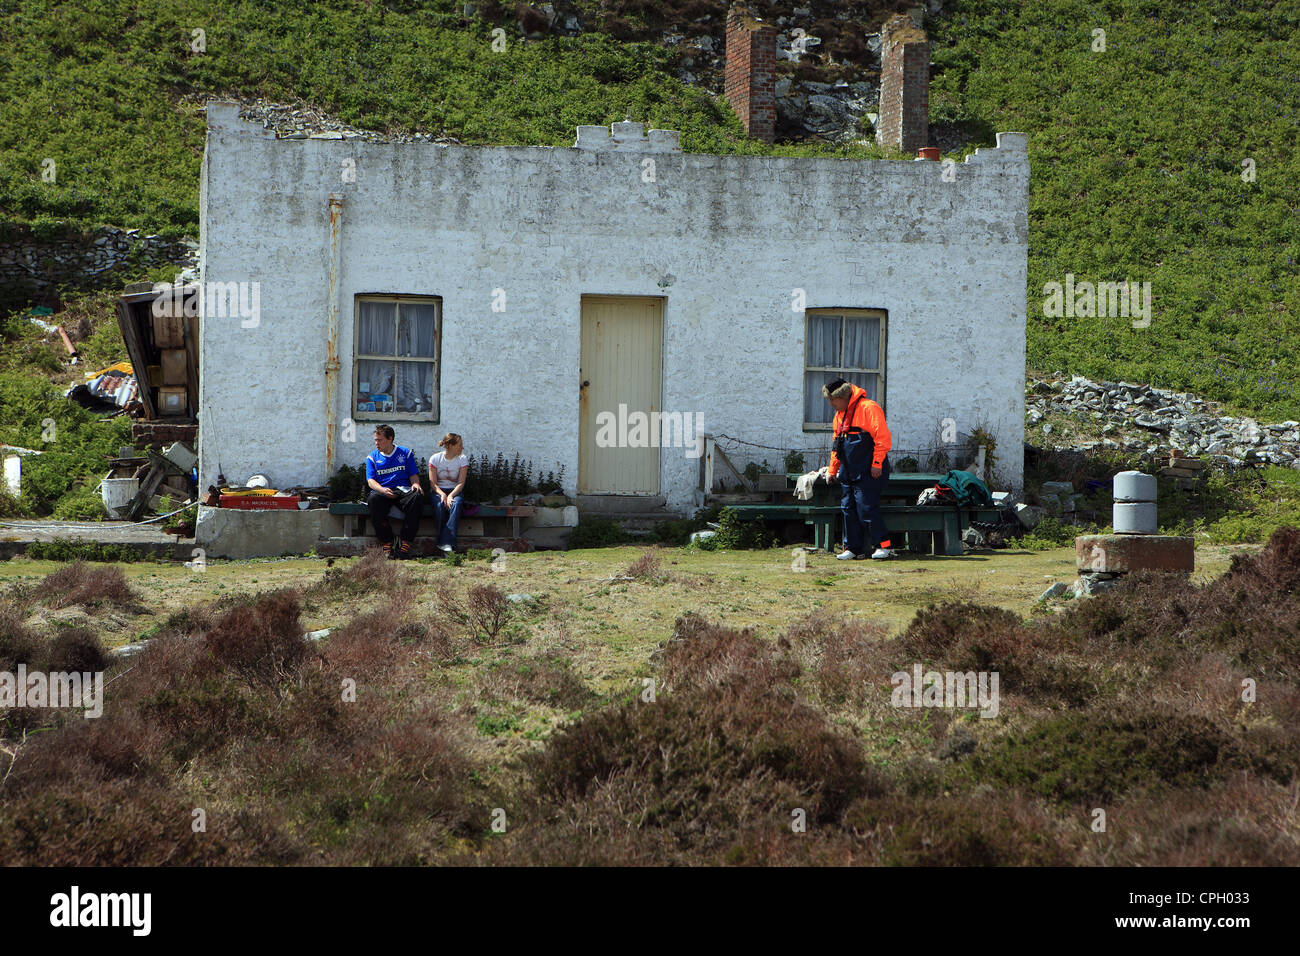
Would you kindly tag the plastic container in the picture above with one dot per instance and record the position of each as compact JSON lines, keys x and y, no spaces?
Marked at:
{"x":1135,"y":517}
{"x":260,"y":502}
{"x":1134,"y":486}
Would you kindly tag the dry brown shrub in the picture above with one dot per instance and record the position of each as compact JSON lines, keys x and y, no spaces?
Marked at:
{"x":261,"y":641}
{"x":86,"y":585}
{"x":702,"y":655}
{"x":848,"y":660}
{"x":1242,"y":821}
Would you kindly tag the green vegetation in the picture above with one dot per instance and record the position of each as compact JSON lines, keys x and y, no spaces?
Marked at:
{"x":1137,"y":157}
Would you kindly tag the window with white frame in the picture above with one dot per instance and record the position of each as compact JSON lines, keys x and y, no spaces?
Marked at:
{"x":396,"y":357}
{"x":841,"y":343}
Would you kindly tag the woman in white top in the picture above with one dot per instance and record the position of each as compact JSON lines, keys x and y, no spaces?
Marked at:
{"x":448,"y":470}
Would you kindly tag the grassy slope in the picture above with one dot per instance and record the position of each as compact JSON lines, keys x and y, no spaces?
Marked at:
{"x":1136,"y":156}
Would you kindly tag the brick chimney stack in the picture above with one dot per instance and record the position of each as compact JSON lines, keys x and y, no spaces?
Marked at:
{"x":904,"y":120}
{"x":751,"y":72}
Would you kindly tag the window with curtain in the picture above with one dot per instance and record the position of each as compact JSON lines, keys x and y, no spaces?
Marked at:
{"x":395,"y":372}
{"x":841,"y":343}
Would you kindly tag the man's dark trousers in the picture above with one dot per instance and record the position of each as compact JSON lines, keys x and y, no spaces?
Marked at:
{"x":412,"y":505}
{"x":860,"y":503}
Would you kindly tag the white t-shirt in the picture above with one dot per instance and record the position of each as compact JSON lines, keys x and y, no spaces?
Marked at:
{"x":448,"y":471}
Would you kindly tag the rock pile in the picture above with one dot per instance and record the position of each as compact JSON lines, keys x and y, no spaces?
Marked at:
{"x":1140,"y":418}
{"x":299,"y":121}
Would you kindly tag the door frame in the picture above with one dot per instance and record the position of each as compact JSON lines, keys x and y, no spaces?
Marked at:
{"x":662,"y":302}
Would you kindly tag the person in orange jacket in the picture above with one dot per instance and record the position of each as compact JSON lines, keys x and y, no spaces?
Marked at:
{"x":859,"y":462}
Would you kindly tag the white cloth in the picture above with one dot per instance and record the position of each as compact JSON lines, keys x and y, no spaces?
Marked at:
{"x":448,"y":471}
{"x":803,"y":486}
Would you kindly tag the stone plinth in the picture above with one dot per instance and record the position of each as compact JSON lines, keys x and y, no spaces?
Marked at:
{"x":1121,"y":553}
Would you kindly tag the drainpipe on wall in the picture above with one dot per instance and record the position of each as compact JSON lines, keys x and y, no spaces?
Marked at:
{"x":332,"y":339}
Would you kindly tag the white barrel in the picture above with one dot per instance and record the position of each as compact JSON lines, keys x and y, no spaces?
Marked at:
{"x":118,"y":493}
{"x":1135,"y":517}
{"x":1134,"y":486}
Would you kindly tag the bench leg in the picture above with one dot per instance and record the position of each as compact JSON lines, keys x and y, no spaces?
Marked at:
{"x":951,"y":534}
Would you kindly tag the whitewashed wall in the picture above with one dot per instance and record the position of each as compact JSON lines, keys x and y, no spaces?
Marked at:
{"x":724,"y":238}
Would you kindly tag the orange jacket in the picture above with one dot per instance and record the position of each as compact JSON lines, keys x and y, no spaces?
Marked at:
{"x":862,"y":413}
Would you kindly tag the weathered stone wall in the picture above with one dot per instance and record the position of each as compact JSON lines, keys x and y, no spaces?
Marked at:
{"x":32,"y":268}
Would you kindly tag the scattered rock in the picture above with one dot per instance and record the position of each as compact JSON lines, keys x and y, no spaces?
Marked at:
{"x":962,"y":743}
{"x":1055,"y":591}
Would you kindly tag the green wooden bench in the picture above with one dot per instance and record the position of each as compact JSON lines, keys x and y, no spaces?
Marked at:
{"x":942,"y":520}
{"x":901,"y":485}
{"x":351,"y":510}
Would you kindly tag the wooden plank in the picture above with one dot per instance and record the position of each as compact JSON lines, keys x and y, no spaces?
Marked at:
{"x":175,"y":370}
{"x":148,"y":487}
{"x":127,"y":306}
{"x":192,"y":367}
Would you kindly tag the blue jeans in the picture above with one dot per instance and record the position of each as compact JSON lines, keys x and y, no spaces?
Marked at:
{"x":447,"y":519}
{"x":860,"y":503}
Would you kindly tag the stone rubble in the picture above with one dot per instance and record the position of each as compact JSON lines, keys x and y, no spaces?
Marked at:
{"x":299,"y":121}
{"x":1146,"y":420}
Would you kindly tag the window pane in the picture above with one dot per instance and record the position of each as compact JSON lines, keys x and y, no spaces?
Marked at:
{"x":376,"y":332}
{"x":865,"y":380}
{"x":373,"y":378}
{"x":823,"y":346}
{"x":862,"y":343}
{"x":815,"y":406}
{"x":414,"y":389}
{"x":415,"y":330}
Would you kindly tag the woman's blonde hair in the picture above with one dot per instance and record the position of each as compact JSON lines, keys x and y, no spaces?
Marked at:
{"x":450,"y":439}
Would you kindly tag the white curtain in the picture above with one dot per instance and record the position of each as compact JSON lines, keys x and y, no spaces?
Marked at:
{"x":844,"y":343}
{"x":823,"y":340}
{"x":861,"y":343}
{"x":416,"y":330}
{"x":405,"y":330}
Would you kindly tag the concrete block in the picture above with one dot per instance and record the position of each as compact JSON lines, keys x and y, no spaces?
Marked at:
{"x":233,"y":533}
{"x":1121,"y":553}
{"x":1062,"y":488}
{"x":565,"y":517}
{"x":1134,"y":486}
{"x":1029,"y":515}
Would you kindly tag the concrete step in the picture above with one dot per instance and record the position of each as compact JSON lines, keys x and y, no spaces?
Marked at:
{"x":617,"y":504}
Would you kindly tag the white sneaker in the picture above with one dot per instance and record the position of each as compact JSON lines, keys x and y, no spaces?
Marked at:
{"x":880,"y":553}
{"x":445,"y":548}
{"x":845,"y":556}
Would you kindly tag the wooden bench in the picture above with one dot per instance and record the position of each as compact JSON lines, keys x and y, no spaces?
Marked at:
{"x":943,"y":520}
{"x":351,"y":510}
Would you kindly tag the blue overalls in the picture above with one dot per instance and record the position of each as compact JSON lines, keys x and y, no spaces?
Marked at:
{"x":860,"y":493}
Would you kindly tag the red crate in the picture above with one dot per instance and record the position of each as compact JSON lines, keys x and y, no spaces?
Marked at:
{"x":259,"y":502}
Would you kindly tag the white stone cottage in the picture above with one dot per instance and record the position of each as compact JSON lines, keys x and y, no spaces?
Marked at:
{"x":514,"y":294}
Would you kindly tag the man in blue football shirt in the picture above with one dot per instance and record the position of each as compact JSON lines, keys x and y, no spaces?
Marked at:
{"x":393,"y":475}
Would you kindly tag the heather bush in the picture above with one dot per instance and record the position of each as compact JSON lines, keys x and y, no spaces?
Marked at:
{"x":80,"y":583}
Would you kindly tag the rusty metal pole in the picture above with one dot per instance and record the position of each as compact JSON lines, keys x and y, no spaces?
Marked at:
{"x":332,"y":339}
